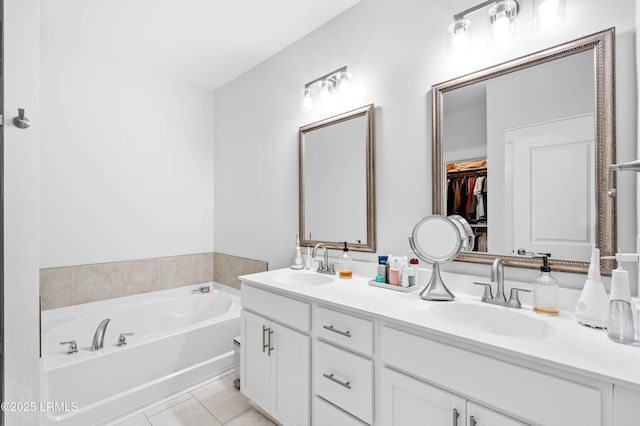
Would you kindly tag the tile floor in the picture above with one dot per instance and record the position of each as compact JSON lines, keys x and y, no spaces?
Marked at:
{"x":216,"y":403}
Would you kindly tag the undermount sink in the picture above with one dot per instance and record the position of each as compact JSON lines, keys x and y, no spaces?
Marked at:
{"x":492,"y":319}
{"x":303,"y":278}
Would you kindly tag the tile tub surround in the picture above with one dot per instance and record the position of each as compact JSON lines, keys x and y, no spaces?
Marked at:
{"x":227,"y":268}
{"x":73,"y":285}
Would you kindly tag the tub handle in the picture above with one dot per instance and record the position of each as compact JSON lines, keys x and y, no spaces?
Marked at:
{"x":73,"y":347}
{"x":122,"y":340}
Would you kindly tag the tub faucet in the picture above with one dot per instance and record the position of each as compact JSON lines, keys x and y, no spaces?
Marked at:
{"x":98,"y":337}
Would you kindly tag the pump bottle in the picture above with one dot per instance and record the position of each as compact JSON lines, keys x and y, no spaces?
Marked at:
{"x":545,"y":290}
{"x":345,"y":263}
{"x":620,"y":326}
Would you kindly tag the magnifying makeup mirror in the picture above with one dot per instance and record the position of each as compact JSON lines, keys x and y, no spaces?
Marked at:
{"x":439,"y":239}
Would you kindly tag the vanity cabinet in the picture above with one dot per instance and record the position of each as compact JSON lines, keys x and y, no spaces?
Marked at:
{"x":523,"y":393}
{"x":275,"y":359}
{"x":320,"y":358}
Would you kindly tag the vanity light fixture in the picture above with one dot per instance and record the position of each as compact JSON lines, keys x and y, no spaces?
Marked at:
{"x":502,"y":15}
{"x":328,"y":84}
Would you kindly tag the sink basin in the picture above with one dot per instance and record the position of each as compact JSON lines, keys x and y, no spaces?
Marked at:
{"x":492,"y":319}
{"x":303,"y":278}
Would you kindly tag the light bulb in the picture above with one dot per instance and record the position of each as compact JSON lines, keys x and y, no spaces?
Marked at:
{"x":548,"y":12}
{"x":501,"y":26}
{"x":326,"y":90}
{"x":548,"y":8}
{"x":344,"y":82}
{"x":307,"y":101}
{"x":460,"y":37}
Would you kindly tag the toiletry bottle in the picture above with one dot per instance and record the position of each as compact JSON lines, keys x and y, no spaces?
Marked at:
{"x":620,"y":326}
{"x":296,"y":258}
{"x":593,"y":304}
{"x":404,"y":276}
{"x":545,"y":290}
{"x":381,"y":273}
{"x":395,"y":267}
{"x":345,"y":263}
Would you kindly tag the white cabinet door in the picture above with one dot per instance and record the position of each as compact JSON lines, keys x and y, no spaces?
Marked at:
{"x":255,"y":362}
{"x":407,"y":402}
{"x":290,"y":370}
{"x":481,"y":416}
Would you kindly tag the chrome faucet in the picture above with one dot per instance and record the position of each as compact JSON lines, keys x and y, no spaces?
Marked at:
{"x":497,"y":276}
{"x":98,"y":337}
{"x":323,"y":266}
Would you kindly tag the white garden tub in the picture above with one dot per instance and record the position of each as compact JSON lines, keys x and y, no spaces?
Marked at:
{"x":180,"y":340}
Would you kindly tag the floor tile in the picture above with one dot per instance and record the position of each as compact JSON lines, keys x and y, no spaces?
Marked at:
{"x":187,"y":413}
{"x":250,"y":417}
{"x":222,"y":399}
{"x":138,"y":420}
{"x":155,"y":409}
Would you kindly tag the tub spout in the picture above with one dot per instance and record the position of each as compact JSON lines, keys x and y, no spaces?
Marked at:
{"x":98,"y":337}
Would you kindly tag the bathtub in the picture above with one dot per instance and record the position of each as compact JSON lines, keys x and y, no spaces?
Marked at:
{"x":181,"y":339}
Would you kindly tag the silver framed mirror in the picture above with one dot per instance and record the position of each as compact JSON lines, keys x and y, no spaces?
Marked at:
{"x":528,"y":207}
{"x":336,"y":181}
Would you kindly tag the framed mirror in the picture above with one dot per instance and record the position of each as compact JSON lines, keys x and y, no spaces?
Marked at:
{"x":337,"y":197}
{"x":522,"y":150}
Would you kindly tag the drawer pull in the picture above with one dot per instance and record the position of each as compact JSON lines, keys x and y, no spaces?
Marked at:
{"x":472,"y":421}
{"x":455,"y":417}
{"x":269,"y":342}
{"x":264,"y":344}
{"x":340,"y":382}
{"x":335,"y":330}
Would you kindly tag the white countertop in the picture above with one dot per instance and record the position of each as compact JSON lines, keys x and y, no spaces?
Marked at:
{"x":570,"y":346}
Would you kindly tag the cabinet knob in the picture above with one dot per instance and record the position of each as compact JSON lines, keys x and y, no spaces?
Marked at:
{"x":455,"y":417}
{"x":472,"y":421}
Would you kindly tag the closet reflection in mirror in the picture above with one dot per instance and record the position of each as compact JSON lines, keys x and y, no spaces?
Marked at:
{"x":336,"y":181}
{"x":521,"y":151}
{"x":535,"y":129}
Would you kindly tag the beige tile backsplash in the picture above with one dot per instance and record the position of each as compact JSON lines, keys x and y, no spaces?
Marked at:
{"x":73,"y":285}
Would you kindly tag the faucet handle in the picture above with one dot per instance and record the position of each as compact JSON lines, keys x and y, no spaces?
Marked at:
{"x":514,"y":299}
{"x":122,"y":340}
{"x":488,"y":294}
{"x":73,"y":347}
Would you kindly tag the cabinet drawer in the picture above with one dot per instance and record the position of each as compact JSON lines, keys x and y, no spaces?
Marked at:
{"x":325,"y":414}
{"x":344,"y":379}
{"x":540,"y":398}
{"x":291,"y":312}
{"x":344,"y":329}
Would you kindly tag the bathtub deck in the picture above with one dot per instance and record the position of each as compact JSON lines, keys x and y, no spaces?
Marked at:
{"x":213,"y":404}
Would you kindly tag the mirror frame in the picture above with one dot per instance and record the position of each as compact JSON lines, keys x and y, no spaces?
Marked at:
{"x":367,"y":112}
{"x":603,"y":45}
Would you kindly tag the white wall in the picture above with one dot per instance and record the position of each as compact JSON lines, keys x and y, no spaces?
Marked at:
{"x":126,"y":158}
{"x":396,"y":51}
{"x":21,"y":374}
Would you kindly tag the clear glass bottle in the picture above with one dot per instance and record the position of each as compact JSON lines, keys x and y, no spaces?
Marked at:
{"x":345,"y":263}
{"x":546,"y":291}
{"x":620,"y":327}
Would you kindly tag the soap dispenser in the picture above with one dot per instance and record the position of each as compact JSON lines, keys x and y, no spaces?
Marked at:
{"x":593,"y":304}
{"x":545,"y":290}
{"x":345,"y":263}
{"x":296,"y":259}
{"x":620,"y":326}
